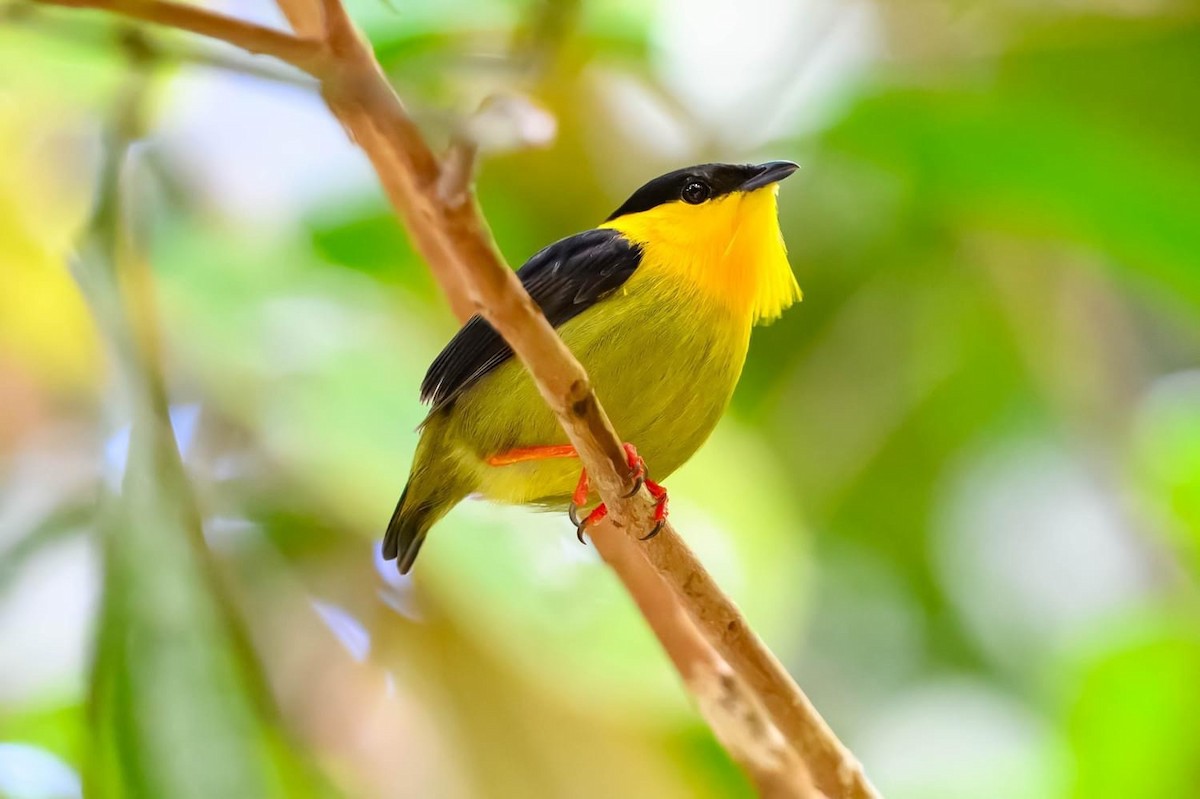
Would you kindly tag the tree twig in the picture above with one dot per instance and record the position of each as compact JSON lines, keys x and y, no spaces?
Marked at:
{"x":306,"y":54}
{"x":456,"y":243}
{"x":166,"y":49}
{"x":736,"y":715}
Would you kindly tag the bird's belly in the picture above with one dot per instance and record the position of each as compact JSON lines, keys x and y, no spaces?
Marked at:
{"x":664,"y":378}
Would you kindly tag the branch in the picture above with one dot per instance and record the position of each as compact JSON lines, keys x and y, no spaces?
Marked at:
{"x":376,"y":121}
{"x":736,"y":716}
{"x":503,"y":123}
{"x":167,"y":49}
{"x":677,"y":594}
{"x":340,"y":33}
{"x":308,"y":55}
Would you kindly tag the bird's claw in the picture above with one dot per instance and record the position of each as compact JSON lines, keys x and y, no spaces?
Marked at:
{"x":637,"y":468}
{"x":660,"y":508}
{"x":598,"y":513}
{"x":653,"y":532}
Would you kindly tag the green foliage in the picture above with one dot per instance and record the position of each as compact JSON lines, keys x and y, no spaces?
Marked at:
{"x":177,"y":706}
{"x":1132,"y":724}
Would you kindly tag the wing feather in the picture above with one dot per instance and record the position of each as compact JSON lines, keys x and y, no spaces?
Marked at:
{"x":564,"y":279}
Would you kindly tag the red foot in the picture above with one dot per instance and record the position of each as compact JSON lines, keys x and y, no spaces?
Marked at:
{"x":637,"y":472}
{"x":582,"y":489}
{"x":660,"y":508}
{"x":595,"y":517}
{"x":637,"y":468}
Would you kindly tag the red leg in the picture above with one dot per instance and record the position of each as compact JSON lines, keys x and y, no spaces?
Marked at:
{"x":660,"y":508}
{"x":522,"y":454}
{"x":596,"y":516}
{"x":578,"y":498}
{"x":582,"y":489}
{"x":637,"y":468}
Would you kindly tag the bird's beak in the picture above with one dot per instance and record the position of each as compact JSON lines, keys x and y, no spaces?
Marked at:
{"x":768,"y":173}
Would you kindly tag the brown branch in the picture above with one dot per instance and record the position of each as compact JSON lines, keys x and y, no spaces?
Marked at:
{"x":386,"y":134}
{"x":167,"y":49}
{"x":305,"y":54}
{"x":736,"y":716}
{"x":502,"y":122}
{"x":307,"y":17}
{"x":339,"y":29}
{"x":834,"y":768}
{"x":456,"y":243}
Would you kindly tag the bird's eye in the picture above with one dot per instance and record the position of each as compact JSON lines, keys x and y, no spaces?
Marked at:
{"x":696,"y":192}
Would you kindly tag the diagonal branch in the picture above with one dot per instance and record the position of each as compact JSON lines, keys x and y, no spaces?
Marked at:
{"x":725,"y":700}
{"x":308,"y":55}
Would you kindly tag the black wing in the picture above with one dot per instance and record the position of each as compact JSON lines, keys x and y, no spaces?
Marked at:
{"x":564,"y":279}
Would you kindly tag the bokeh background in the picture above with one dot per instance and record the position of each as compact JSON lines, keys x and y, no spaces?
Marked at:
{"x":958,"y":491}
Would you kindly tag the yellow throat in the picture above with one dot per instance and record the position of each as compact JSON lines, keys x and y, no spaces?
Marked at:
{"x":730,"y":248}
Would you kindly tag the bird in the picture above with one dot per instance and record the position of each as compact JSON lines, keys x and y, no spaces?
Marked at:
{"x":657,"y":303}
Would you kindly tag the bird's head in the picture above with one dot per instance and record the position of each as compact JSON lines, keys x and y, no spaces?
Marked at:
{"x":717,"y":227}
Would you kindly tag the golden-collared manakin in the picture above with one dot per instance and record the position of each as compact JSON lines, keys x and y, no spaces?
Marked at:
{"x":657,"y":303}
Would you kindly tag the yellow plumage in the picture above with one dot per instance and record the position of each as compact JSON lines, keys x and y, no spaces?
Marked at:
{"x":664,"y":352}
{"x":731,"y":249}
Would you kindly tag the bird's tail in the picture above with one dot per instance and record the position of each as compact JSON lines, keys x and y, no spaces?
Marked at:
{"x":429,"y":495}
{"x":406,"y":532}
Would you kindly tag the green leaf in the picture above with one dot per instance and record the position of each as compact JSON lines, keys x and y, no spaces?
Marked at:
{"x":179,"y":707}
{"x":58,"y":729}
{"x":1132,"y":723}
{"x":1015,"y":156}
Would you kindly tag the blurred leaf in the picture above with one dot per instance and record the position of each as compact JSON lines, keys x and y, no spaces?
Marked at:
{"x":368,"y":237}
{"x":1133,"y":723}
{"x":43,"y":322}
{"x":1116,"y":71}
{"x":63,"y":522}
{"x":396,"y":48}
{"x":905,"y":351}
{"x":1015,"y":157}
{"x":179,"y":708}
{"x":73,"y":58}
{"x":1167,"y":449}
{"x":708,"y":767}
{"x":59,"y":729}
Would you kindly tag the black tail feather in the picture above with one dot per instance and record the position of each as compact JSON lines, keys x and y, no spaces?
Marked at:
{"x":406,"y":532}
